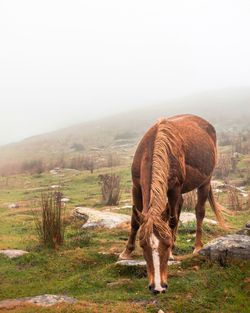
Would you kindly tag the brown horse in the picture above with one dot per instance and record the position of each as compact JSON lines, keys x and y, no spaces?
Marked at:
{"x":175,"y":156}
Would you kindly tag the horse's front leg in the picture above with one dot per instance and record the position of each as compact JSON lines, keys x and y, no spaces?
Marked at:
{"x":135,"y":224}
{"x":175,"y":202}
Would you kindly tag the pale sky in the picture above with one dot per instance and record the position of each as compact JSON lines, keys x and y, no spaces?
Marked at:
{"x":64,"y":62}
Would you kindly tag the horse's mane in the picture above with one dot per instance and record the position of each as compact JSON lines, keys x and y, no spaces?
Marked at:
{"x":167,"y":142}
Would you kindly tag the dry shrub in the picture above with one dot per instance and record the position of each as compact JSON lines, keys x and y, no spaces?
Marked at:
{"x":33,"y":167}
{"x":223,"y":167}
{"x":235,"y":202}
{"x":110,"y":188}
{"x":50,"y":225}
{"x":83,"y":163}
{"x":190,"y":200}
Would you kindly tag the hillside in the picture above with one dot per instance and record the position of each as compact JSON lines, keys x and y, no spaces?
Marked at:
{"x":226,"y":109}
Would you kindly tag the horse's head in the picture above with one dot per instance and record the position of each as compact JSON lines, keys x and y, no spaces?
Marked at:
{"x":156,"y":242}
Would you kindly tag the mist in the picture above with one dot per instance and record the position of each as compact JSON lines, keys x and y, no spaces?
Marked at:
{"x":67,"y":62}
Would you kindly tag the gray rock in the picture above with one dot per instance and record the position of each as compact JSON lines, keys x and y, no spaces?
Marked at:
{"x":65,"y":200}
{"x":187,"y":217}
{"x":248,"y":225}
{"x":43,"y":300}
{"x":140,"y":263}
{"x":13,"y":253}
{"x":95,"y":218}
{"x":13,"y":206}
{"x":231,"y":247}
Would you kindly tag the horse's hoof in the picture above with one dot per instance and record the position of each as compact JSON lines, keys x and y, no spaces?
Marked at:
{"x":196,"y":250}
{"x":171,"y":257}
{"x":124,"y":256}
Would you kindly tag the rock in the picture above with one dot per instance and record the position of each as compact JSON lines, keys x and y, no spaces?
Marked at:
{"x":248,"y":225}
{"x":187,"y":217}
{"x":13,"y":253}
{"x":55,"y":186}
{"x":160,"y":311}
{"x":95,"y":218}
{"x":43,"y":300}
{"x":140,"y":263}
{"x":231,"y":247}
{"x":127,"y":206}
{"x":65,"y":200}
{"x":13,"y":206}
{"x":244,"y":231}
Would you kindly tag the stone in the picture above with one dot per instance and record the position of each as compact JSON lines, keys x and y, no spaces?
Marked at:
{"x":55,"y":186}
{"x":248,"y":225}
{"x":141,"y":263}
{"x":94,"y":218}
{"x":13,"y":206}
{"x":13,"y":253}
{"x":42,"y":300}
{"x":187,"y":217}
{"x":65,"y":200}
{"x":227,"y":248}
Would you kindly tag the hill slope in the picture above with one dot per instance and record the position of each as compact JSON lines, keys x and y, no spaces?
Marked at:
{"x":226,"y":109}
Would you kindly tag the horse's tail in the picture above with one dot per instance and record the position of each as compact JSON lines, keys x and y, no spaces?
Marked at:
{"x":217,"y":209}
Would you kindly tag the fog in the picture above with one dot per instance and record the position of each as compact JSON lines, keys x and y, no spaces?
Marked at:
{"x":65,"y":62}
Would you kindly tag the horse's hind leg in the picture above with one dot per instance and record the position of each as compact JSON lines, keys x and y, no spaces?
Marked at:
{"x":200,"y":214}
{"x":135,"y":224}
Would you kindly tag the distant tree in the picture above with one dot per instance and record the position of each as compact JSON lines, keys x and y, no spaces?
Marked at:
{"x":77,"y":147}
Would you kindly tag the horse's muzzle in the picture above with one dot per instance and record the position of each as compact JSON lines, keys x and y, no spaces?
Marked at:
{"x":156,"y":291}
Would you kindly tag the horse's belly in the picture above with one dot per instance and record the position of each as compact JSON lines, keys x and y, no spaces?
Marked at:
{"x":194,"y":179}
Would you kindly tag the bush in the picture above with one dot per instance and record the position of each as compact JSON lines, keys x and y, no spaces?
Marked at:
{"x":50,"y":225}
{"x":110,"y":188}
{"x":33,"y":166}
{"x":190,"y":200}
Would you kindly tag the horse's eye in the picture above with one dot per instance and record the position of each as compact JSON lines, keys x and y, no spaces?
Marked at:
{"x":166,"y":243}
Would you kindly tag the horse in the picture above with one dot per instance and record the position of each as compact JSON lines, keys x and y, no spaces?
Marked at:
{"x":175,"y":156}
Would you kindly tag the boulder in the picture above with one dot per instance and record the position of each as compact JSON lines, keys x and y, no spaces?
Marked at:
{"x":140,"y":263}
{"x":227,"y":248}
{"x":13,"y":206}
{"x":187,"y":217}
{"x":94,"y":218}
{"x":13,"y":253}
{"x":43,"y":300}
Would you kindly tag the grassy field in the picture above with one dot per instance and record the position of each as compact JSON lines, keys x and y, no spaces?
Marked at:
{"x":85,"y":268}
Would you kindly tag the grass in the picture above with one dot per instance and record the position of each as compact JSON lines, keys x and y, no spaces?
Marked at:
{"x":85,"y":268}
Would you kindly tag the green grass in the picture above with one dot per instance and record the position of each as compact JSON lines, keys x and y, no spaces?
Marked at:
{"x":85,"y":266}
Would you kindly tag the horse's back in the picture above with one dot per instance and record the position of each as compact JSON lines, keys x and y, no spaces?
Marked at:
{"x":199,"y":138}
{"x":188,"y":123}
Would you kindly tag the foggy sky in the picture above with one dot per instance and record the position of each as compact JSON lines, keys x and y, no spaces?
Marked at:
{"x":64,"y":62}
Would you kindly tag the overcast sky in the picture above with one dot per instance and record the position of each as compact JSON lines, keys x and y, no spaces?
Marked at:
{"x":63,"y":62}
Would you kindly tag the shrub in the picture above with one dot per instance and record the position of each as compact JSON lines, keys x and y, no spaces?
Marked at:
{"x":50,"y":225}
{"x":190,"y":200}
{"x":110,"y":188}
{"x":33,"y":166}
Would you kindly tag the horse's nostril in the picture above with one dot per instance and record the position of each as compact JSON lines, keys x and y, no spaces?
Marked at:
{"x":156,"y":292}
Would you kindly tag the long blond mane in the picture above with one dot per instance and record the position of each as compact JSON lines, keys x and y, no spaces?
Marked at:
{"x":164,"y":146}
